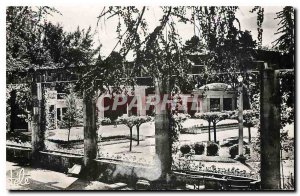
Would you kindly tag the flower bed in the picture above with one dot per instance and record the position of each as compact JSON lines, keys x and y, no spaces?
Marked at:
{"x":188,"y":163}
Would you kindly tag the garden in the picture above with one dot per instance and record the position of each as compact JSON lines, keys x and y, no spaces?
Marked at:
{"x":55,"y":79}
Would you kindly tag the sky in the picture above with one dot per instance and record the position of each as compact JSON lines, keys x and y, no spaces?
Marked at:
{"x":85,"y":16}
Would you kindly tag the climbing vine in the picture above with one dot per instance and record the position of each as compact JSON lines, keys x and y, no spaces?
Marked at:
{"x":260,"y":19}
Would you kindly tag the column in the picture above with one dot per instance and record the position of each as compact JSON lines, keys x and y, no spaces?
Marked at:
{"x":162,"y":142}
{"x":90,"y":135}
{"x":207,"y":104}
{"x":270,"y":129}
{"x":233,"y":103}
{"x":141,"y":100}
{"x":55,"y":115}
{"x":240,"y":156}
{"x":221,"y":102}
{"x":37,"y":134}
{"x":100,"y":103}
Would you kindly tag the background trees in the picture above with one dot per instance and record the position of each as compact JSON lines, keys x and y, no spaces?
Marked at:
{"x":24,"y":30}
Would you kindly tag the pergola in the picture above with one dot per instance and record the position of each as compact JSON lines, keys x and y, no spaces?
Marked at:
{"x":269,"y":119}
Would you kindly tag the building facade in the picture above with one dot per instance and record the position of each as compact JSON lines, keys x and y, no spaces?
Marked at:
{"x":139,"y":101}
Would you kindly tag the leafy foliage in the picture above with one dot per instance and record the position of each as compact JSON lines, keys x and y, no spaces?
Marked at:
{"x":24,"y":30}
{"x":286,"y":42}
{"x":212,"y":149}
{"x":260,"y":20}
{"x":233,"y":150}
{"x":199,"y":148}
{"x":142,"y":119}
{"x":104,"y":121}
{"x":184,"y":149}
{"x":73,"y":113}
{"x":250,"y":117}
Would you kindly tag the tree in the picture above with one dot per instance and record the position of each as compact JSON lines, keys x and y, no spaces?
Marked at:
{"x":24,"y":32}
{"x":286,"y":30}
{"x":57,"y":42}
{"x":138,"y":122}
{"x":73,"y":114}
{"x":208,"y":118}
{"x":214,"y":118}
{"x":130,"y":122}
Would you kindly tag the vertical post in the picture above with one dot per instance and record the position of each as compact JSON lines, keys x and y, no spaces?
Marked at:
{"x":233,"y":103}
{"x":270,"y":129}
{"x":240,"y":157}
{"x":162,"y":142}
{"x":90,"y":135}
{"x":55,"y":115}
{"x":209,"y":126}
{"x":100,"y":102}
{"x":240,"y":118}
{"x":207,"y":104}
{"x":37,"y":134}
{"x":221,"y":102}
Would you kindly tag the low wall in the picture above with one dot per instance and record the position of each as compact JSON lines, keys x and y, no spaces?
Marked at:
{"x":106,"y":170}
{"x":204,"y":129}
{"x":18,"y":154}
{"x":58,"y":161}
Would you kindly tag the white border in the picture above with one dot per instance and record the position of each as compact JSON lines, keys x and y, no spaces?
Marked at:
{"x":4,"y":3}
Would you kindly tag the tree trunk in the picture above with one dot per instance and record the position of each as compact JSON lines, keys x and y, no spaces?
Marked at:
{"x":69,"y":135}
{"x":215,"y":132}
{"x":209,"y":136}
{"x":138,"y":135}
{"x":270,"y":130}
{"x":249,"y":134}
{"x":90,"y":135}
{"x":130,"y":145}
{"x":162,"y":142}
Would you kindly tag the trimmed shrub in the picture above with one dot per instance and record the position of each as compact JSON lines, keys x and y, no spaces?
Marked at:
{"x":247,"y":150}
{"x":199,"y":148}
{"x":212,"y":149}
{"x":233,"y":150}
{"x":184,"y":149}
{"x":104,"y":121}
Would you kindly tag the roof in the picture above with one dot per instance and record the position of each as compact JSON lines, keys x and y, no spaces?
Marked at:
{"x":216,"y":87}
